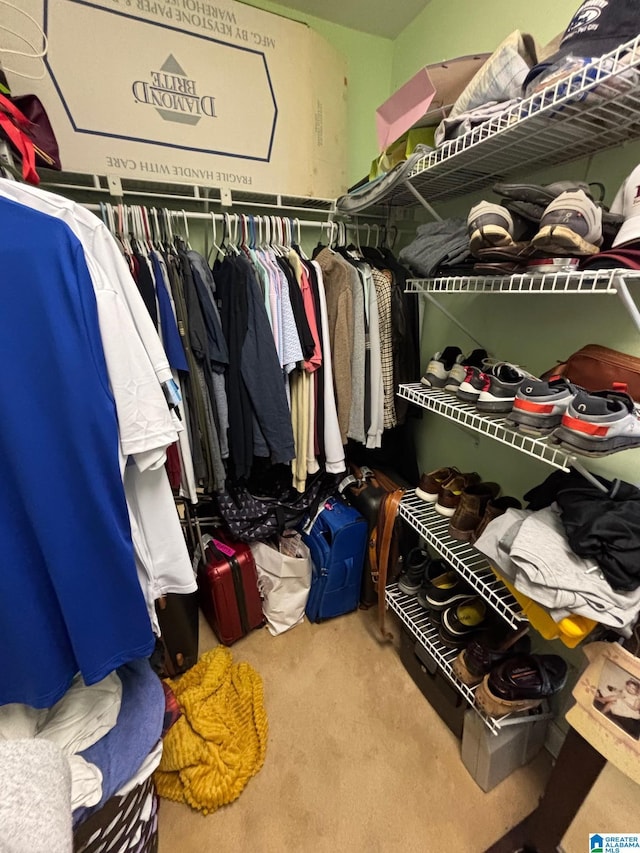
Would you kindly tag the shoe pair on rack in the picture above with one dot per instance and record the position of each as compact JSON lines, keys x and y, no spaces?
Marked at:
{"x":595,"y":423}
{"x":508,"y":676}
{"x":491,"y":386}
{"x":447,"y":369}
{"x":470,"y":503}
{"x":493,"y":389}
{"x":571,"y":225}
{"x":454,"y":607}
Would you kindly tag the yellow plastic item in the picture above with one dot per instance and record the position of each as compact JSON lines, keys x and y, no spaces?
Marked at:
{"x":401,"y":149}
{"x":571,"y":630}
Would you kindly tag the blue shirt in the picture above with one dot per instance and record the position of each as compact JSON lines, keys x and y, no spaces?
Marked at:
{"x":70,"y":599}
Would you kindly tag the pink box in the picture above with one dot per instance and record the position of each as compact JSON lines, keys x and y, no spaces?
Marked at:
{"x":426,"y":98}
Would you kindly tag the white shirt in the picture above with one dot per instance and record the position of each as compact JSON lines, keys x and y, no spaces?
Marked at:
{"x":137,"y":367}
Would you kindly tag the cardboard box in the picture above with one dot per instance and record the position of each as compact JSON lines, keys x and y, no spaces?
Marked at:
{"x":425,"y":99}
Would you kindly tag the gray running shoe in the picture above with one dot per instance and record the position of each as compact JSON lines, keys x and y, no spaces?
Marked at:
{"x":539,"y":406}
{"x":489,"y":225}
{"x":599,"y":423}
{"x":500,"y":388}
{"x":571,"y":225}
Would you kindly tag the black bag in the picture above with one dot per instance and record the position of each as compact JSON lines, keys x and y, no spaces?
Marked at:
{"x":251,"y":518}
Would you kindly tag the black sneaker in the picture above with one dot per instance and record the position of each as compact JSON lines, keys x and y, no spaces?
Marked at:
{"x":501,"y":387}
{"x":474,"y":381}
{"x":439,"y":367}
{"x":415,"y":571}
{"x":463,"y":621}
{"x":458,"y":372}
{"x":444,"y":591}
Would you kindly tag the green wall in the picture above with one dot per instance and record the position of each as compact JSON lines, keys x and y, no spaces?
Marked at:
{"x":448,"y":28}
{"x":369,"y":61}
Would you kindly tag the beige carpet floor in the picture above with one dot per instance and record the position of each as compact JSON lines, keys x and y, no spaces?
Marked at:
{"x":357,"y":759}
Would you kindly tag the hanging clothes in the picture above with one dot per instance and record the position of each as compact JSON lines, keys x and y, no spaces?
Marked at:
{"x":138,"y":371}
{"x":339,"y":296}
{"x":69,"y":593}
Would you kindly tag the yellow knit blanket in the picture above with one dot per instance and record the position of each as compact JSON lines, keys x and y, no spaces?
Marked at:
{"x":220,"y":740}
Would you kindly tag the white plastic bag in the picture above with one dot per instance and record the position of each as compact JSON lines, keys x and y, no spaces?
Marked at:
{"x":284,"y":583}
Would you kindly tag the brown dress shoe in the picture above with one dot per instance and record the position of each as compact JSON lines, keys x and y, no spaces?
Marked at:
{"x":452,"y":490}
{"x":494,"y":509}
{"x":430,"y":484}
{"x":471,"y":509}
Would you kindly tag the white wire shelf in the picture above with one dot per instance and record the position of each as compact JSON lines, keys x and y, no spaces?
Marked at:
{"x":462,"y":556}
{"x":596,"y":282}
{"x":595,"y":108}
{"x":494,"y":426}
{"x":188,"y":194}
{"x":417,"y":621}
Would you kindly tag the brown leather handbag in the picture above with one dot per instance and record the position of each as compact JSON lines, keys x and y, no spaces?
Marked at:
{"x":599,"y":368}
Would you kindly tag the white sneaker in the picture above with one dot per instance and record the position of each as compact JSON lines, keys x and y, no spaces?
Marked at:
{"x":571,"y":225}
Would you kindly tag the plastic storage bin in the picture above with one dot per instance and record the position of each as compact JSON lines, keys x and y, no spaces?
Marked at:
{"x":491,"y":758}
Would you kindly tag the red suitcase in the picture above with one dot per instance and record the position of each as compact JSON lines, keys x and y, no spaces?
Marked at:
{"x":228,"y":589}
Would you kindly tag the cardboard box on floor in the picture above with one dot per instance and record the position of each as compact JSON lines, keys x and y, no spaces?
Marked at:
{"x":424,"y":100}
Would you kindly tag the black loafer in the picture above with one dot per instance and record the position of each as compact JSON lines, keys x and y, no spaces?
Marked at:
{"x":520,"y":683}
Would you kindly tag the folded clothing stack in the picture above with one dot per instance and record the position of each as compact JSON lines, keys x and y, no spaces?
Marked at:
{"x":561,"y":557}
{"x":436,"y":245}
{"x":130,"y":752}
{"x":107,"y":735}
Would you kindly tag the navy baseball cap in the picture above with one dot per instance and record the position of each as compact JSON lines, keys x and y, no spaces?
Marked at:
{"x":598,"y":27}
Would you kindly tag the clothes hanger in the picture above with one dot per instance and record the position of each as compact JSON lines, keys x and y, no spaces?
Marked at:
{"x":357,"y":237}
{"x":123,"y":228}
{"x":244,"y":232}
{"x":166,"y":213}
{"x":236,"y":233}
{"x":298,"y":243}
{"x":147,"y":229}
{"x":36,"y":54}
{"x":186,"y":229}
{"x":319,"y":245}
{"x":214,"y":244}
